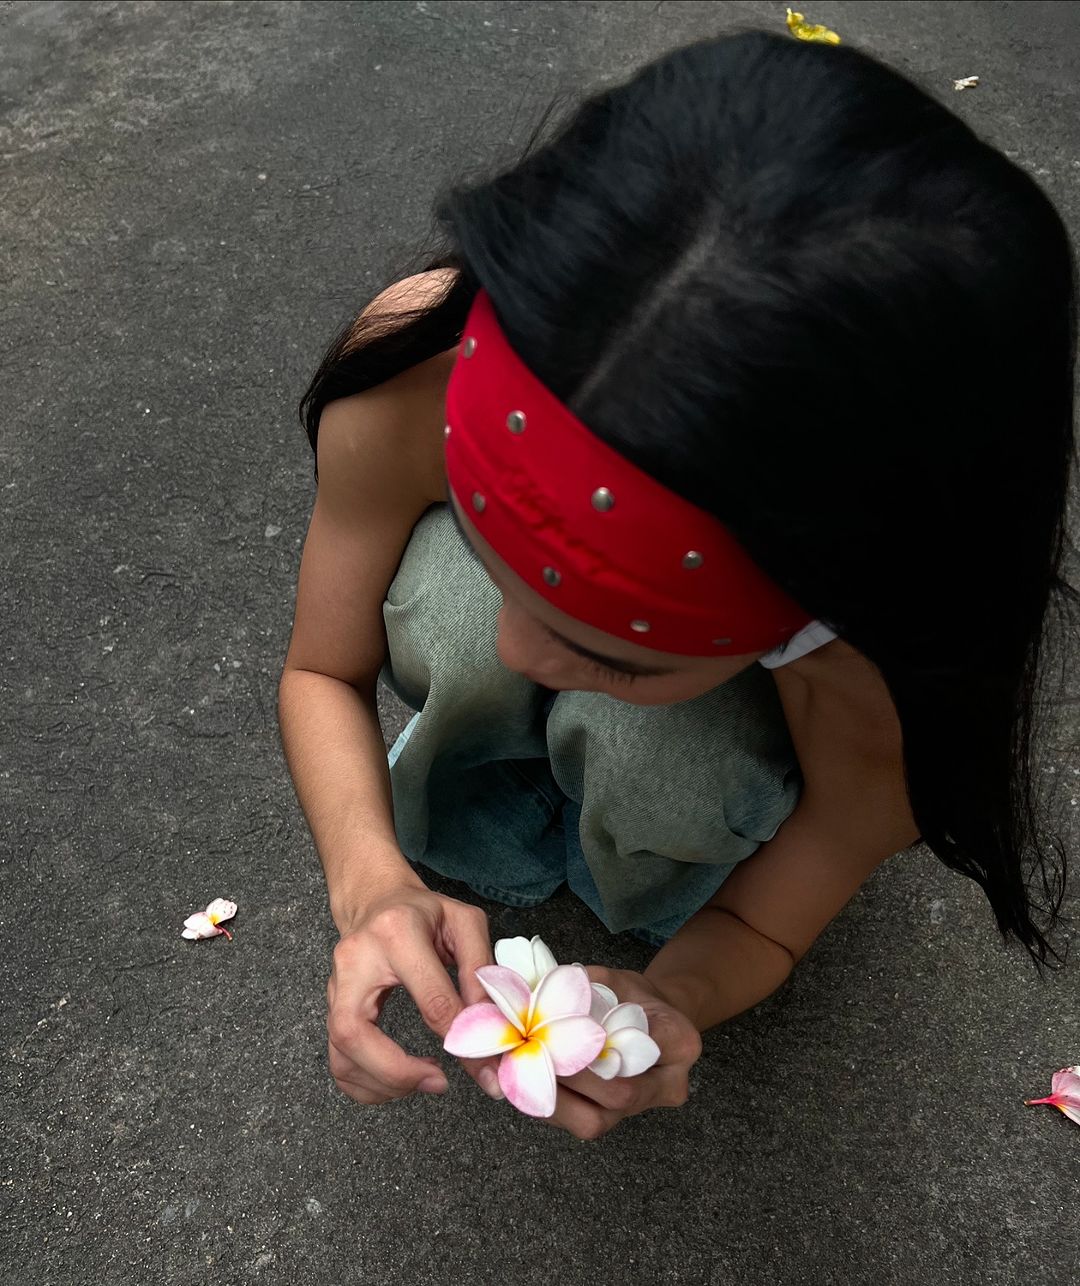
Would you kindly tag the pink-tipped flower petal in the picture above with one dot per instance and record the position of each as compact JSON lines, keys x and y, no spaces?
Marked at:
{"x":481,"y":1031}
{"x":509,"y":991}
{"x":607,"y":1064}
{"x":572,"y":1042}
{"x":562,"y":992}
{"x":637,"y":1051}
{"x":527,"y":1078}
{"x":628,"y":1015}
{"x":1065,"y":1093}
{"x":603,"y":1002}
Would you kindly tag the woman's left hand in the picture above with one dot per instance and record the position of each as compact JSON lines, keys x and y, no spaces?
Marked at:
{"x":588,"y":1106}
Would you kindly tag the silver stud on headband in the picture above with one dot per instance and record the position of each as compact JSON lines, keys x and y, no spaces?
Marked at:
{"x":642,"y":627}
{"x":602,"y":499}
{"x":469,"y":347}
{"x":552,"y":576}
{"x":446,"y":431}
{"x":478,"y":502}
{"x":693,"y":559}
{"x":515,"y":421}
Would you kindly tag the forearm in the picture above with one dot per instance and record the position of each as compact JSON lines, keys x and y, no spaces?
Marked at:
{"x":335,"y":752}
{"x":716,"y":966}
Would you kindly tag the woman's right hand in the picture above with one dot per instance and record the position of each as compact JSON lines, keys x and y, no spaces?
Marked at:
{"x":406,"y":937}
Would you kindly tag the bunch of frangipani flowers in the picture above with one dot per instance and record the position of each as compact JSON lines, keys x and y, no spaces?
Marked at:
{"x":548,"y":1020}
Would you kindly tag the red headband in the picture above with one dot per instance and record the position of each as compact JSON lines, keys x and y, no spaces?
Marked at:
{"x":588,"y":530}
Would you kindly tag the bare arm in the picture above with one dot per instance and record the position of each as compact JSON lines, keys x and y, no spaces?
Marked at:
{"x":380,"y":467}
{"x":380,"y":458}
{"x":852,"y":815}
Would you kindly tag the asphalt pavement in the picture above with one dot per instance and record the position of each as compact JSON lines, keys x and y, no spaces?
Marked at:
{"x":192,"y":198}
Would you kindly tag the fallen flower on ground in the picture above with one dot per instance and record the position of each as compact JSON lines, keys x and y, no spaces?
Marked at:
{"x":541,"y":1033}
{"x":1065,"y":1095}
{"x":803,"y":30}
{"x":207,"y":924}
{"x":965,"y":82}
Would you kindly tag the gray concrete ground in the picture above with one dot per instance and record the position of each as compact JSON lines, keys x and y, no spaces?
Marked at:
{"x":193,"y":197}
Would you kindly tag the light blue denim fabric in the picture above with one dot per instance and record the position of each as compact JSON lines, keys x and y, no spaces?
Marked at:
{"x":514,"y":837}
{"x":514,"y":789}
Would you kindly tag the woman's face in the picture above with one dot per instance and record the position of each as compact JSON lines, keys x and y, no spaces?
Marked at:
{"x":557,"y":651}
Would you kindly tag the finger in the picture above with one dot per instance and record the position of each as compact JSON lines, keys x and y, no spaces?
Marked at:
{"x":353,"y":1032}
{"x":679,"y":1041}
{"x":658,"y":1087}
{"x":358,"y":1083}
{"x":580,"y":1117}
{"x":468,"y":938}
{"x":625,"y":1094}
{"x":423,"y":975}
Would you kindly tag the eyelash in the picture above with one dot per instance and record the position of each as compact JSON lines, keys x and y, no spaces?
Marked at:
{"x":613,"y":676}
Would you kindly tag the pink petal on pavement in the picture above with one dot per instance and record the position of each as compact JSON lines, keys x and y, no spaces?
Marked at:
{"x":628,"y":1015}
{"x":572,"y":1042}
{"x":562,"y":992}
{"x":1067,"y":1081}
{"x":603,"y":1002}
{"x":607,"y":1064}
{"x":481,"y":1031}
{"x":527,"y":1078}
{"x":1065,"y":1093}
{"x":637,"y":1051}
{"x":509,"y":991}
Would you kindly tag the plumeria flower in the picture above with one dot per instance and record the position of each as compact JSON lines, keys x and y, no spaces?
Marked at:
{"x":629,"y":1049}
{"x":1066,"y":1093}
{"x":207,"y":924}
{"x":541,"y":1033}
{"x":530,"y":959}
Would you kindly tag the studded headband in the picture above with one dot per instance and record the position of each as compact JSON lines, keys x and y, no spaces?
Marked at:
{"x":592,"y":533}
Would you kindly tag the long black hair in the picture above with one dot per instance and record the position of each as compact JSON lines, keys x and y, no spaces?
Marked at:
{"x":805,"y":296}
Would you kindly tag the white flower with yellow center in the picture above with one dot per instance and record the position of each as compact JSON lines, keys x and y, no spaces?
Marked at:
{"x":541,"y":1033}
{"x":629,"y":1049}
{"x":207,"y":924}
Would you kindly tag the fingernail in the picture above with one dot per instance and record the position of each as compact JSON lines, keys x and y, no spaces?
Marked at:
{"x":433,"y":1085}
{"x":489,"y":1082}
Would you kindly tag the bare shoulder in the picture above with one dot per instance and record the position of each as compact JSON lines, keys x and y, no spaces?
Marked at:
{"x":836,"y":695}
{"x":395,"y":428}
